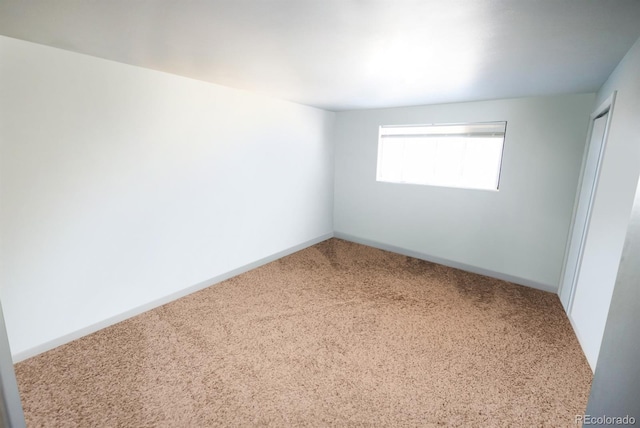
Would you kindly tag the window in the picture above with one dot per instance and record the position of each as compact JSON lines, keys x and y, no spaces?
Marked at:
{"x":461,"y":155}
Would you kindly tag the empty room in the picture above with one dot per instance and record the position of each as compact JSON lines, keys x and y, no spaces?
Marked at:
{"x":319,"y":213}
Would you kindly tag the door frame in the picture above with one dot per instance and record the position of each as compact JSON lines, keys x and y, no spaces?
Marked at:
{"x":567,"y":288}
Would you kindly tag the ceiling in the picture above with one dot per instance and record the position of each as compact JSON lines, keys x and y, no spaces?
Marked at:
{"x":349,"y":54}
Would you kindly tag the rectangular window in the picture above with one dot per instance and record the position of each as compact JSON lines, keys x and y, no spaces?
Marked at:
{"x":461,"y":155}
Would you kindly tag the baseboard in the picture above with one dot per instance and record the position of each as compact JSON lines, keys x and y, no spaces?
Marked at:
{"x":445,"y":262}
{"x":32,"y":352}
{"x":23,"y":355}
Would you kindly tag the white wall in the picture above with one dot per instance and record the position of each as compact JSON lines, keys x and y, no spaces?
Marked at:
{"x":121,"y":186}
{"x":616,"y":383}
{"x":613,"y":200}
{"x":518,"y":233}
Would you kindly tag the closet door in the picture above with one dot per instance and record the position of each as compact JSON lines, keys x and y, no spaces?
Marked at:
{"x":586,"y":287}
{"x":585,"y":200}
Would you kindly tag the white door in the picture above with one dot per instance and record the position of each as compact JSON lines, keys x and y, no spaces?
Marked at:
{"x":586,"y":288}
{"x":585,"y":199}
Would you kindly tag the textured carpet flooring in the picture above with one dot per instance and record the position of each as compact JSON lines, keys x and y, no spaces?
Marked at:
{"x":338,"y":334}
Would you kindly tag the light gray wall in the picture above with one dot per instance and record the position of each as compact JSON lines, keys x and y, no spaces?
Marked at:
{"x":616,"y":384}
{"x":615,"y":390}
{"x":519,"y":232}
{"x":121,"y":186}
{"x":621,"y":163}
{"x":617,"y":184}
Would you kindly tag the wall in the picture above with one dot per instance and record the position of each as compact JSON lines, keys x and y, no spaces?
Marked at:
{"x":122,"y":187}
{"x":518,"y":233}
{"x":616,"y":383}
{"x":614,"y":195}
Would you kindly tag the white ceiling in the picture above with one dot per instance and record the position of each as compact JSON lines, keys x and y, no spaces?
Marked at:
{"x":348,"y":54}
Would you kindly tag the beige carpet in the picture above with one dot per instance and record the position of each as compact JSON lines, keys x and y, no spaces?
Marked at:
{"x":338,"y":334}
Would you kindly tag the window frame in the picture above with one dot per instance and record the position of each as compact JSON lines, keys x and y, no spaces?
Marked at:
{"x":445,"y":135}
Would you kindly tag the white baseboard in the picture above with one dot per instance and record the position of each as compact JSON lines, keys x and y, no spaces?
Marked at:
{"x":31,"y":352}
{"x":445,"y":262}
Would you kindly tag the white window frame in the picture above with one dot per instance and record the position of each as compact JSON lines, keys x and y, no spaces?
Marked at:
{"x":460,"y":135}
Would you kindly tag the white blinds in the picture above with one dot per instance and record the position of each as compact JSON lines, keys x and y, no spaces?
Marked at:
{"x":460,"y":155}
{"x":487,"y":129}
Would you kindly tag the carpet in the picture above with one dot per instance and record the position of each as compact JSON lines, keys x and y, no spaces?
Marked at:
{"x":338,"y":334}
